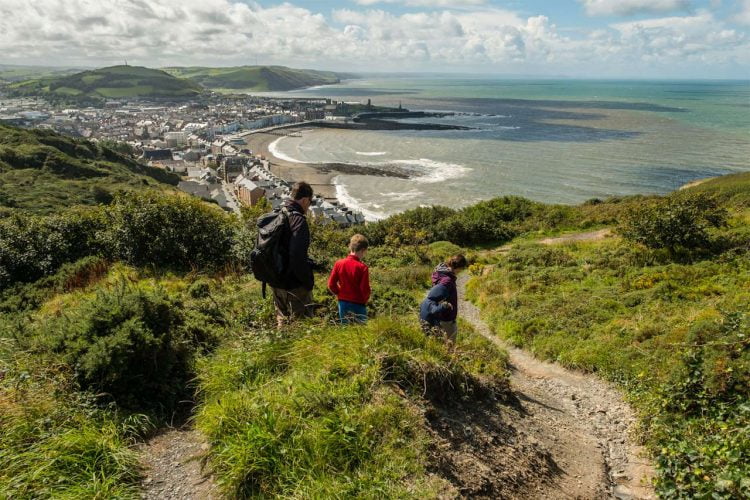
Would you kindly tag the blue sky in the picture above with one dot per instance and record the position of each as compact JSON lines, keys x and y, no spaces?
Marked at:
{"x":579,"y":38}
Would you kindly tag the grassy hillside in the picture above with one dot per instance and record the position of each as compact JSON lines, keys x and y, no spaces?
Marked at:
{"x":669,"y":324}
{"x":256,"y":78}
{"x":107,"y":83}
{"x":115,"y":317}
{"x":140,"y":298}
{"x":42,"y":171}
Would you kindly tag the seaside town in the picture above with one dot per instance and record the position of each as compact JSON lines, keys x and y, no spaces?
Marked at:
{"x":202,"y":140}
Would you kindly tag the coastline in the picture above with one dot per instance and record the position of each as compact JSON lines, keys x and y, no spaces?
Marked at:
{"x":320,"y":180}
{"x":694,"y":183}
{"x":321,"y":176}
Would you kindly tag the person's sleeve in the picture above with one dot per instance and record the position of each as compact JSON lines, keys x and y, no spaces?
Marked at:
{"x":298,"y":246}
{"x":365,"y":285}
{"x":435,"y":307}
{"x":435,"y":299}
{"x":333,"y":280}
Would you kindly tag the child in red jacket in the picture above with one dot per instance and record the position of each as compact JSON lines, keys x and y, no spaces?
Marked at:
{"x":350,"y":282}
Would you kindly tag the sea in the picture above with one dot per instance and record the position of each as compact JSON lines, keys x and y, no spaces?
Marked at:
{"x":551,"y":140}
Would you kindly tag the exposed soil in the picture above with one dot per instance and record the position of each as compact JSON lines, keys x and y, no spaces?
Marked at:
{"x":580,"y":422}
{"x":481,"y":452}
{"x":173,"y":464}
{"x":571,"y":238}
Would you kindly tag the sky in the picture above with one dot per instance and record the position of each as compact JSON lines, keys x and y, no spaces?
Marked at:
{"x":572,"y":38}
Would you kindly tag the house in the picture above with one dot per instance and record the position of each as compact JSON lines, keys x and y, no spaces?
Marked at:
{"x":156,"y":154}
{"x":248,"y":192}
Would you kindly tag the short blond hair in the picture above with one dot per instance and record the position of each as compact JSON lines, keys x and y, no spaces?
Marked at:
{"x":358,"y":242}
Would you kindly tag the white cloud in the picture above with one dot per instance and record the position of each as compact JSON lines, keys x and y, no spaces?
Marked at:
{"x":426,"y":3}
{"x":229,"y":32}
{"x":630,"y":7}
{"x":699,"y":38}
{"x":743,"y":16}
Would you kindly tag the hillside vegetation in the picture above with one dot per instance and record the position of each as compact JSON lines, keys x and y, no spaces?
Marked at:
{"x":119,"y":317}
{"x":255,"y":78}
{"x":118,"y":82}
{"x":42,"y":171}
{"x":666,"y":318}
{"x":17,"y":73}
{"x":108,"y":83}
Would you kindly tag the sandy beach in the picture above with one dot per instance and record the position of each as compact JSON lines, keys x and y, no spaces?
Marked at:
{"x":319,"y":175}
{"x":321,"y":181}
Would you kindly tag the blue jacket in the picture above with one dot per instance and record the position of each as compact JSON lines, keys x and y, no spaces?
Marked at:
{"x":434,"y":306}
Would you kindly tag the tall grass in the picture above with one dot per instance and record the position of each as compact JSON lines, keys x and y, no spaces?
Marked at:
{"x":57,"y":443}
{"x":334,"y":412}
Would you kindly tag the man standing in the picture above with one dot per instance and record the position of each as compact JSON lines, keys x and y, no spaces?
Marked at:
{"x":294,"y":298}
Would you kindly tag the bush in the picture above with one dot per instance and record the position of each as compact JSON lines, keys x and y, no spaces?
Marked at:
{"x":32,"y":246}
{"x":172,"y":231}
{"x":133,"y":344}
{"x":439,"y":251}
{"x":677,"y":221}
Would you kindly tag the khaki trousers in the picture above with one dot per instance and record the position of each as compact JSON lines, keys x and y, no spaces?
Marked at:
{"x":447,"y":330}
{"x":292,"y":304}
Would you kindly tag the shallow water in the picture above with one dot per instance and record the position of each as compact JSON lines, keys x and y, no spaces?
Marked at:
{"x":550,"y":140}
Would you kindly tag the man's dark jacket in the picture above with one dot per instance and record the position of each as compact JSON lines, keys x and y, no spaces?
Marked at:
{"x":297,"y":241}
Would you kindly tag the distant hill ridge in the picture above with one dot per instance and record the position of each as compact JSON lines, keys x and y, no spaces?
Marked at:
{"x":257,"y":78}
{"x":111,"y":82}
{"x":116,"y":82}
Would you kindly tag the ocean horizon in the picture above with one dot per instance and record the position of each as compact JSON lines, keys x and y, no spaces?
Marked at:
{"x":551,"y":140}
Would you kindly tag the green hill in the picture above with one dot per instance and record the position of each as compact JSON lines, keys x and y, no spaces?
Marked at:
{"x":16,"y":73}
{"x":256,"y":78}
{"x":117,"y":318}
{"x":42,"y":171}
{"x":108,"y":83}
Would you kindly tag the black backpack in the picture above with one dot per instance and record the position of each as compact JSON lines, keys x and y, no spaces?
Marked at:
{"x":269,"y":260}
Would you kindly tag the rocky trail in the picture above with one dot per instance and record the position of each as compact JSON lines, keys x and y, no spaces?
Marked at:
{"x":173,"y":467}
{"x":582,"y":423}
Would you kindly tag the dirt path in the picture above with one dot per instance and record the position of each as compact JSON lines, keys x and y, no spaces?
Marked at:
{"x":582,"y":421}
{"x":571,"y":238}
{"x":173,"y":467}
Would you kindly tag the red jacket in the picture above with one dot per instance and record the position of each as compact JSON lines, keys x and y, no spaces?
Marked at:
{"x":350,"y":280}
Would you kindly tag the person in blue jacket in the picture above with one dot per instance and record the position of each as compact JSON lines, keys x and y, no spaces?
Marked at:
{"x":439,"y":310}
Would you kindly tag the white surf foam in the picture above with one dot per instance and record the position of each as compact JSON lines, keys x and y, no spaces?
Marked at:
{"x":273,"y":148}
{"x":342,"y":194}
{"x":402,"y":195}
{"x":435,"y":171}
{"x":371,"y":153}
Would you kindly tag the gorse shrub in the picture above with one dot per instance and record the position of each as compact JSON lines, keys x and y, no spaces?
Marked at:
{"x":176,"y":231}
{"x":167,"y":231}
{"x":677,"y":221}
{"x":134,"y":344}
{"x":492,"y":221}
{"x":34,"y":246}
